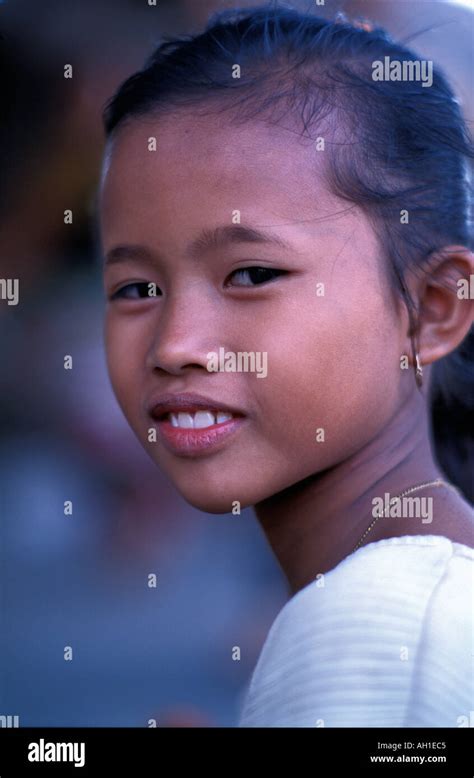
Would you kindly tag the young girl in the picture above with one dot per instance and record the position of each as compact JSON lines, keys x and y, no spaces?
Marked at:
{"x":276,"y":193}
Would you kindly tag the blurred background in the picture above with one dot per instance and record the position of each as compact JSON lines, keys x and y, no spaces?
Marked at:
{"x":81,"y":580}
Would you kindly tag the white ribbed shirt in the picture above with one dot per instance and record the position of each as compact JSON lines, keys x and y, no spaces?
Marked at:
{"x":385,"y":639}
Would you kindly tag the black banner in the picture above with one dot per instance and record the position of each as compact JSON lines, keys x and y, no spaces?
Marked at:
{"x":50,"y":751}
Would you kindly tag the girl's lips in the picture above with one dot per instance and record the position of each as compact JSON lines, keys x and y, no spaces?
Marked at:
{"x":193,"y":442}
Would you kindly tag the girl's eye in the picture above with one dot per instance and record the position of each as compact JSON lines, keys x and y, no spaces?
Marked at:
{"x":137,"y":291}
{"x":254,"y":276}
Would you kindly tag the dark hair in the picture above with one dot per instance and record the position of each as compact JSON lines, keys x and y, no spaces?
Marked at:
{"x":395,"y":146}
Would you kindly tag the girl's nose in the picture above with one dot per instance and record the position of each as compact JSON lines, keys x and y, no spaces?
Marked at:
{"x":186,"y":332}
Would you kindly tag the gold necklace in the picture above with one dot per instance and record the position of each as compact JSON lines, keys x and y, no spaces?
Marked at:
{"x":438,"y":482}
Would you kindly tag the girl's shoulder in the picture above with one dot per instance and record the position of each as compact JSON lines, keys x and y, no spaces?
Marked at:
{"x":383,"y":639}
{"x":406,"y":572}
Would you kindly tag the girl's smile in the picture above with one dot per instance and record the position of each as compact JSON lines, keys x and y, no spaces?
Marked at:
{"x":191,"y":425}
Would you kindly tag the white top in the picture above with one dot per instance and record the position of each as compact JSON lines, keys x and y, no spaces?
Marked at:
{"x":385,"y":639}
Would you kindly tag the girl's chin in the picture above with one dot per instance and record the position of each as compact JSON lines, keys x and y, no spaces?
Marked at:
{"x":210,"y":499}
{"x":210,"y":491}
{"x":213,"y":505}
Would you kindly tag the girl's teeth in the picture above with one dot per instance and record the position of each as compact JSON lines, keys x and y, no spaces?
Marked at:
{"x":198,"y":420}
{"x":203,"y":419}
{"x":185,"y":420}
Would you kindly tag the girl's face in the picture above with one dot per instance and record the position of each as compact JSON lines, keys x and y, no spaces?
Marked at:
{"x":319,"y":315}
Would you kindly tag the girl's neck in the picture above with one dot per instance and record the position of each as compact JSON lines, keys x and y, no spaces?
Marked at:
{"x":315,"y":524}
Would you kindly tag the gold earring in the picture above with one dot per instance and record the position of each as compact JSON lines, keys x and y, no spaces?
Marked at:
{"x":419,"y":370}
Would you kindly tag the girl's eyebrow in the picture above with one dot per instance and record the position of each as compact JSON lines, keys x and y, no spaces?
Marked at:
{"x":235,"y":233}
{"x":209,"y":239}
{"x":126,"y":253}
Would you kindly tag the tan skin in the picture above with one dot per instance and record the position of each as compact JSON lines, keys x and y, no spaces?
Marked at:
{"x":333,"y":361}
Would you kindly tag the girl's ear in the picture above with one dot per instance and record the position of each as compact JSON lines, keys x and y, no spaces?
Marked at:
{"x":445,"y":297}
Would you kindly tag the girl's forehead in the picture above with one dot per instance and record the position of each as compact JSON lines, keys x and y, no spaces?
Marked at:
{"x":180,"y":153}
{"x":165,"y":178}
{"x":210,"y":140}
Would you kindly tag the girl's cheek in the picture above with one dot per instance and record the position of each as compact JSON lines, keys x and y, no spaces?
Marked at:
{"x":121,"y":368}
